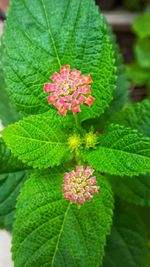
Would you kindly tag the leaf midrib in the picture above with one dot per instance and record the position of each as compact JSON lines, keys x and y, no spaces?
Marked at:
{"x":130,"y":153}
{"x":38,"y":140}
{"x":50,"y":33}
{"x":60,"y":233}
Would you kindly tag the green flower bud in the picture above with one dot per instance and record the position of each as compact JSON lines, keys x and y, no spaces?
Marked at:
{"x":74,"y":142}
{"x":90,"y":140}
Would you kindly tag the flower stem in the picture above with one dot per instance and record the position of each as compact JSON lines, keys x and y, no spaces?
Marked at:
{"x":77,"y":157}
{"x":77,"y":151}
{"x":77,"y":120}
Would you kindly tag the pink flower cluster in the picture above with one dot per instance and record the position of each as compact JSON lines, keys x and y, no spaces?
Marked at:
{"x":69,"y":90}
{"x":80,"y":185}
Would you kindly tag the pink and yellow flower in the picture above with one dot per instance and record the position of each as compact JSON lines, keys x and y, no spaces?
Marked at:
{"x":69,"y":90}
{"x":80,"y":185}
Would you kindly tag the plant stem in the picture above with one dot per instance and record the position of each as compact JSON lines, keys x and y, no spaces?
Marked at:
{"x":77,"y":157}
{"x":77,"y":120}
{"x":77,"y":152}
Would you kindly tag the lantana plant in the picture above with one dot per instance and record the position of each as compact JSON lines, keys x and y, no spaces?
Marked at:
{"x":77,"y":144}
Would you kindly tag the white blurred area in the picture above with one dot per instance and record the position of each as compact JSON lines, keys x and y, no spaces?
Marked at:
{"x":5,"y":243}
{"x":1,"y":125}
{"x":5,"y":248}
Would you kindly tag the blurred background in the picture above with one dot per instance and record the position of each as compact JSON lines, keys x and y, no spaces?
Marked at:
{"x":130,"y":21}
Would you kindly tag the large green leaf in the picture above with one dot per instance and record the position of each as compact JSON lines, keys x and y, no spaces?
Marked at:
{"x":136,"y":116}
{"x":134,"y":189}
{"x":12,"y":176}
{"x":39,"y":140}
{"x":127,"y":244}
{"x":49,"y":231}
{"x":41,"y":35}
{"x":121,"y":151}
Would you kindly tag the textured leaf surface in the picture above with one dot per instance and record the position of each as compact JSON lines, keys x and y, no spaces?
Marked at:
{"x":51,"y":232}
{"x":39,"y":140}
{"x":12,"y":176}
{"x":136,"y":116}
{"x":134,"y":190}
{"x":120,"y":96}
{"x":42,"y":35}
{"x":127,"y":244}
{"x":121,"y":93}
{"x":121,"y":151}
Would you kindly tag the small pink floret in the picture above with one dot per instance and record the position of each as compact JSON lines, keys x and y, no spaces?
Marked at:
{"x":89,"y":100}
{"x":76,"y":109}
{"x":51,"y":98}
{"x":79,"y":168}
{"x":92,"y":181}
{"x":69,"y":90}
{"x":55,"y":77}
{"x":88,"y":196}
{"x":49,"y":87}
{"x":79,"y":186}
{"x":62,"y":111}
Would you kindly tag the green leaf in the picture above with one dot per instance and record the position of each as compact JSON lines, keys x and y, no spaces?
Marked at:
{"x":39,"y":140}
{"x":41,"y":36}
{"x":127,"y":244}
{"x":134,"y":189}
{"x":10,"y":185}
{"x":136,"y":116}
{"x":49,"y":231}
{"x":8,"y":113}
{"x":141,"y":26}
{"x":7,"y":161}
{"x":121,"y":151}
{"x":142,"y":51}
{"x":138,"y":75}
{"x":121,"y":93}
{"x":12,"y":176}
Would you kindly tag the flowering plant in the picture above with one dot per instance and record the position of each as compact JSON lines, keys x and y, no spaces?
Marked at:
{"x":77,"y":146}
